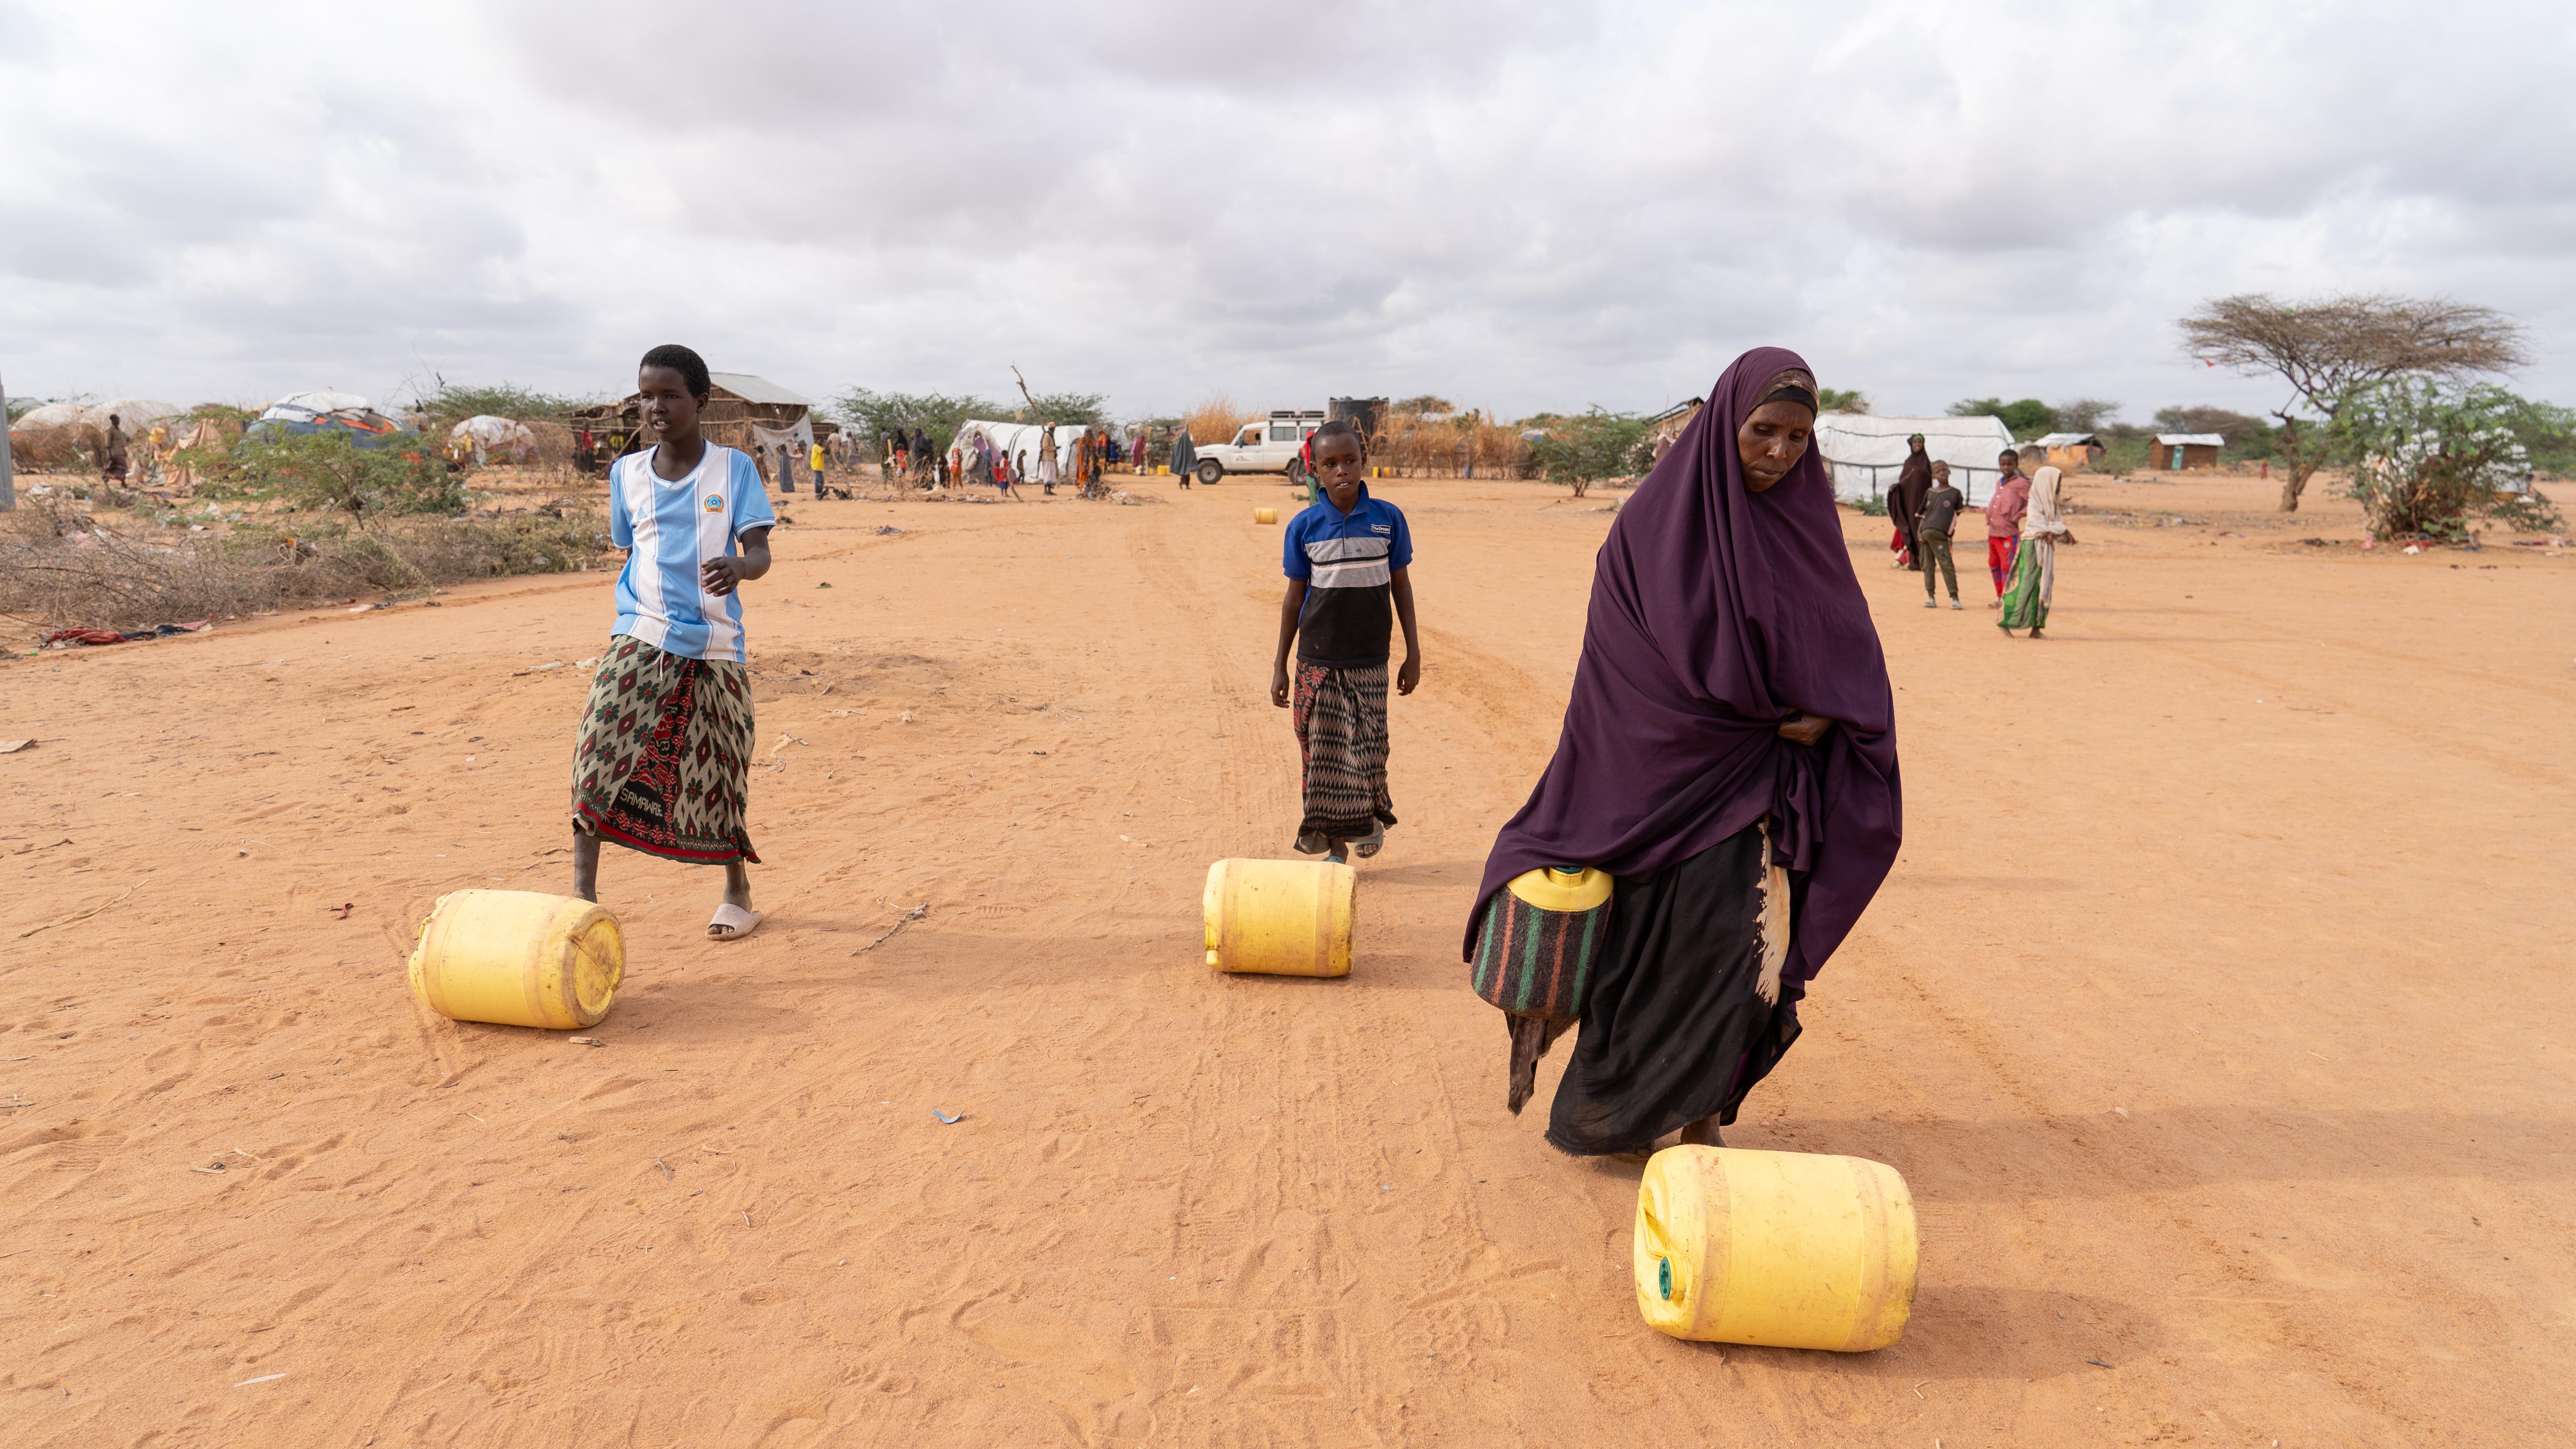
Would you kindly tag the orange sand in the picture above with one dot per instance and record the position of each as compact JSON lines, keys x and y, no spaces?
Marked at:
{"x":2217,"y":1013}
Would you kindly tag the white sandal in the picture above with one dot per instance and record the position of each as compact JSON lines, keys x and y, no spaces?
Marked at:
{"x":732,"y":923}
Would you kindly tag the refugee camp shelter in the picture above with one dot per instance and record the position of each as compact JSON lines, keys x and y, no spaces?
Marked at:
{"x":484,"y":437}
{"x":323,"y":411}
{"x":1665,"y":426}
{"x":743,"y":411}
{"x":2176,"y":451}
{"x":2072,"y":452}
{"x":1019,"y":440}
{"x":1863,"y":452}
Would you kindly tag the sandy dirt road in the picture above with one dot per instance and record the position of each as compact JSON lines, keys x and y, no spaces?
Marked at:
{"x":2217,"y":1013}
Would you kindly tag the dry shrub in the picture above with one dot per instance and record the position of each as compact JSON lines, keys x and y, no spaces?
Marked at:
{"x":1217,"y":419}
{"x":70,"y":446}
{"x":63,"y":569}
{"x":1444,"y":447}
{"x":554,"y":443}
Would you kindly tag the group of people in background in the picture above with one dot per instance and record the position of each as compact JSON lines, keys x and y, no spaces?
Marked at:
{"x":2024,"y":526}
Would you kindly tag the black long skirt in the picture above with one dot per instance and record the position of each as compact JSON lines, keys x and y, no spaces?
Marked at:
{"x":1673,"y":1029}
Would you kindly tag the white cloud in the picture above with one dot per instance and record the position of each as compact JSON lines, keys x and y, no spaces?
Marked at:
{"x":1516,"y":205}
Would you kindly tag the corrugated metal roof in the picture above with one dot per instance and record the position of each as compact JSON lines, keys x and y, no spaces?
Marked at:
{"x":752,"y":388}
{"x":2194,"y":440}
{"x":2066,"y":440}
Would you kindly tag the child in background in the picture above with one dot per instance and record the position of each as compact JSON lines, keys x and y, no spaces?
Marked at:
{"x":1938,"y":515}
{"x":1346,"y":557}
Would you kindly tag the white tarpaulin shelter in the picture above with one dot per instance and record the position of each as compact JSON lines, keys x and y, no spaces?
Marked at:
{"x":488,"y":437}
{"x":1863,"y":452}
{"x":134,"y":414}
{"x":1026,"y":438}
{"x":306,"y":407}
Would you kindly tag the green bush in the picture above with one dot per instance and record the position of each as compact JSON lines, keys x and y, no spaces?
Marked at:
{"x":455,"y":402}
{"x":2027,"y":418}
{"x":1581,"y":451}
{"x":323,"y":472}
{"x":871,"y":415}
{"x":2425,"y":457}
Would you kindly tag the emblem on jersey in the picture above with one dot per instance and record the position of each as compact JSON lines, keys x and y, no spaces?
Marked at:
{"x":715,"y":503}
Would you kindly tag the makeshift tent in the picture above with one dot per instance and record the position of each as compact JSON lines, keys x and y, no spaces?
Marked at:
{"x":1017,"y":438}
{"x":135,"y":414}
{"x":2071,"y":452}
{"x":487,"y":437}
{"x":1863,"y":452}
{"x":59,"y":432}
{"x":742,"y":411}
{"x":322,"y":412}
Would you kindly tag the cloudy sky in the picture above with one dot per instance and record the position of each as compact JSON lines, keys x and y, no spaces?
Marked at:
{"x":1515,"y":205}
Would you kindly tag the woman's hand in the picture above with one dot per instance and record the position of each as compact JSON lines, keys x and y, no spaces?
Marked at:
{"x":1279,"y":685}
{"x":1804,"y":729}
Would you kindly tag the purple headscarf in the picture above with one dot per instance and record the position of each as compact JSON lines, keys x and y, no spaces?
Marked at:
{"x":1718,"y":612}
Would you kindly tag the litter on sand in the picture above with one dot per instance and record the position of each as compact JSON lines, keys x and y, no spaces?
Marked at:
{"x":11,"y":747}
{"x":945,"y":1117}
{"x":906,"y":919}
{"x":585,"y":1041}
{"x":262,"y":1379}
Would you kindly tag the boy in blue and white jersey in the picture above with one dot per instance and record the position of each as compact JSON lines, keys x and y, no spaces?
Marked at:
{"x":1346,"y":557}
{"x":663,"y":761}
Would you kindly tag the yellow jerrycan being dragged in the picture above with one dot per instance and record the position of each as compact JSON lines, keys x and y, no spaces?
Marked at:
{"x":1784,"y":1249}
{"x":519,"y":958}
{"x":1279,"y":917}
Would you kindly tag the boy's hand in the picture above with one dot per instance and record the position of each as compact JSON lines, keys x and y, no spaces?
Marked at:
{"x":1279,"y":685}
{"x":721,"y":576}
{"x":1409,"y":675}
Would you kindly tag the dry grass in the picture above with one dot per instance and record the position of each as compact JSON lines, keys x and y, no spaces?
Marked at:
{"x":1216,"y":419}
{"x":1445,"y":447}
{"x":62,"y":568}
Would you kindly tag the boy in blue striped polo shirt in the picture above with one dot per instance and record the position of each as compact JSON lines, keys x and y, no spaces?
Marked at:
{"x":1346,"y":557}
{"x":663,"y":764}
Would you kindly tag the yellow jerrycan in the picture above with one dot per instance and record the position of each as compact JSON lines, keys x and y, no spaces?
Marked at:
{"x":519,"y":958}
{"x":1265,"y":515}
{"x":1279,"y":917}
{"x":1784,"y":1249}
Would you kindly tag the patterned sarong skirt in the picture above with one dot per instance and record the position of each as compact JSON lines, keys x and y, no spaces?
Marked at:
{"x":664,"y":759}
{"x":1340,"y":716}
{"x":2034,"y":581}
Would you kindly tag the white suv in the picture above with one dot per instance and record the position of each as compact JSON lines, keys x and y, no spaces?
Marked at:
{"x":1265,"y":446}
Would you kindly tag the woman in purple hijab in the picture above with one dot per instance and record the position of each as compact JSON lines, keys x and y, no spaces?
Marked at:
{"x":1729,"y":758}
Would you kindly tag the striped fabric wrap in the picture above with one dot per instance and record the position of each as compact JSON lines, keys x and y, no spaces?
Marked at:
{"x":1536,"y":962}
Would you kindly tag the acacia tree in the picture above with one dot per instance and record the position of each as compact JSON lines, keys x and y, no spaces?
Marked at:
{"x":1585,"y":449}
{"x":2325,"y":349}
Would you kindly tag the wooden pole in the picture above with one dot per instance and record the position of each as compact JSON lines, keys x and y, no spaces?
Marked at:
{"x":8,"y":473}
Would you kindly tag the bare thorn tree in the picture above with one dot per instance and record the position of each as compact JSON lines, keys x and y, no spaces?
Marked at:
{"x":2326,"y":347}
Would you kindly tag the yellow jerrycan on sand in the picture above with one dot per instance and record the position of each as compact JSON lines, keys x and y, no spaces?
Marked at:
{"x":1279,"y":917}
{"x":1265,"y":515}
{"x":1784,"y":1249}
{"x":519,"y":958}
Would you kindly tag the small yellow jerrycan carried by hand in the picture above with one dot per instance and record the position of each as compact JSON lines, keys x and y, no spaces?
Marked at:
{"x":519,"y":958}
{"x":1541,"y":934}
